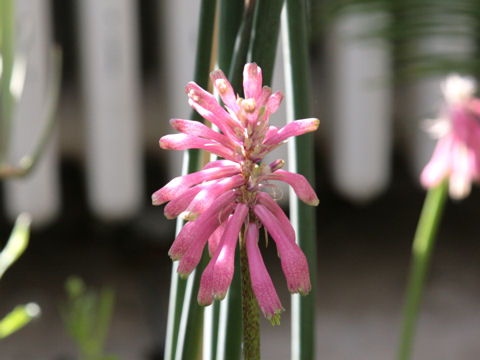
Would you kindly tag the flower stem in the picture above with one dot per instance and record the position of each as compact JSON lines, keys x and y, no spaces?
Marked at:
{"x":422,"y":249}
{"x":251,"y":321}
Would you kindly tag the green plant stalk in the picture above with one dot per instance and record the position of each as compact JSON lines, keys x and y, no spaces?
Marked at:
{"x":423,"y":245}
{"x":7,"y":47}
{"x":251,"y":321}
{"x":301,"y":160}
{"x":191,"y":164}
{"x":265,"y":36}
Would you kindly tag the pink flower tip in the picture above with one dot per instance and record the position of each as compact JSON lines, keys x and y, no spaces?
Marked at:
{"x":275,"y":318}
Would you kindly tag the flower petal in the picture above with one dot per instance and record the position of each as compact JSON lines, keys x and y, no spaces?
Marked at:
{"x":299,"y":184}
{"x":215,"y":238}
{"x":196,"y":128}
{"x":273,"y":103}
{"x":176,"y":206}
{"x":224,"y":262}
{"x":460,"y":183}
{"x":184,"y":142}
{"x":180,"y":184}
{"x":220,"y":164}
{"x":439,"y":165}
{"x":207,"y":196}
{"x":265,"y":199}
{"x":208,"y":107}
{"x":295,"y":128}
{"x":262,"y":284}
{"x":225,"y":89}
{"x":294,"y":262}
{"x":252,"y":81}
{"x":198,"y":238}
{"x":219,"y":272}
{"x":205,"y":224}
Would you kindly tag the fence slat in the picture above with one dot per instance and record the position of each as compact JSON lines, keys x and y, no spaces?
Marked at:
{"x":360,"y":122}
{"x":109,"y":56}
{"x":39,"y":193}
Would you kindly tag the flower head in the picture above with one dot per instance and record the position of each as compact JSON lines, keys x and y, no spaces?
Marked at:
{"x":457,"y":154}
{"x":228,"y":195}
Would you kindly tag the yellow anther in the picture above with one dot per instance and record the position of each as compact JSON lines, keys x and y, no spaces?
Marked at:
{"x":249,"y":105}
{"x":192,"y":94}
{"x":221,"y":85}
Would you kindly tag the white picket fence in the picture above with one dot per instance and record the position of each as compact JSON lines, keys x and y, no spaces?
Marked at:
{"x":356,"y":120}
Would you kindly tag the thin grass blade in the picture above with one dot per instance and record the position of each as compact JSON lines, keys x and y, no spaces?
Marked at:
{"x":301,"y":160}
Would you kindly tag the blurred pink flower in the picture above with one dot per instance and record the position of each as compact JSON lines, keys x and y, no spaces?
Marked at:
{"x":227,"y":195}
{"x":457,"y":154}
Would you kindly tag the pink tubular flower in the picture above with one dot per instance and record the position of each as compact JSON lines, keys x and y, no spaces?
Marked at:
{"x":457,"y":154}
{"x":226,"y":195}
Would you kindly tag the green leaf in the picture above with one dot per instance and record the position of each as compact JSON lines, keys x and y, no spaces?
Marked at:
{"x":301,"y":160}
{"x":191,"y":163}
{"x":230,"y":19}
{"x":265,"y":36}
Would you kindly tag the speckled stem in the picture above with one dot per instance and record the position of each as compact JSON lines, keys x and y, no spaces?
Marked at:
{"x":251,"y":321}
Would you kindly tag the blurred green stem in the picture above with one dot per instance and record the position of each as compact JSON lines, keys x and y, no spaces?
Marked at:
{"x":422,"y":249}
{"x":301,"y":160}
{"x":28,"y":162}
{"x":16,"y":244}
{"x":16,"y":319}
{"x":7,"y":33}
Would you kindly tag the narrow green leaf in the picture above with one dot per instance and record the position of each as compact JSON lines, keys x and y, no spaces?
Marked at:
{"x":242,"y":44}
{"x":17,"y":243}
{"x":210,"y":330}
{"x":191,"y":163}
{"x":230,"y":18}
{"x":191,"y":323}
{"x":265,"y":36}
{"x":301,"y":160}
{"x":175,"y":301}
{"x":106,"y":304}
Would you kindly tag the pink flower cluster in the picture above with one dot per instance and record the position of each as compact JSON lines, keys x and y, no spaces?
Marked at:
{"x":226,"y":197}
{"x":457,"y":154}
